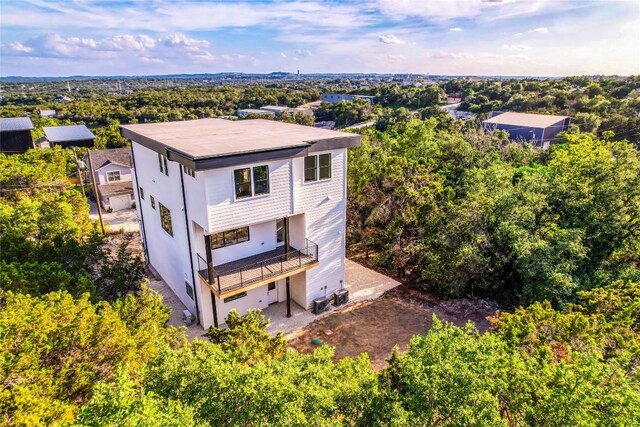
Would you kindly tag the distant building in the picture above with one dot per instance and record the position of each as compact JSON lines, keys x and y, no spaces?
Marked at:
{"x":455,"y":113}
{"x":112,"y":172}
{"x":254,"y":111}
{"x":539,"y":129}
{"x":279,"y":110}
{"x":62,"y":98}
{"x":339,"y":97}
{"x":15,"y":135}
{"x":69,"y":136}
{"x":47,"y":113}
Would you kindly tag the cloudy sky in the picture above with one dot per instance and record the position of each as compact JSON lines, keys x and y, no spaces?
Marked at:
{"x":482,"y":37}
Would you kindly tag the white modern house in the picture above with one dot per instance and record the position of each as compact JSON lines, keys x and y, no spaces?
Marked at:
{"x":242,"y":214}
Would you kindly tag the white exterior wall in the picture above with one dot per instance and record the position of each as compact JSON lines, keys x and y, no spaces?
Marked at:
{"x":316,"y":211}
{"x":101,"y":174}
{"x":168,"y":255}
{"x":324,"y":206}
{"x":226,"y":213}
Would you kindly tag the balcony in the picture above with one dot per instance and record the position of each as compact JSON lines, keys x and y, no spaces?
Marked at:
{"x":247,"y":273}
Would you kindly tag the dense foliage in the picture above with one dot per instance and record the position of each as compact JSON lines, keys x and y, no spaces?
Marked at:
{"x":466,"y":212}
{"x":47,"y":241}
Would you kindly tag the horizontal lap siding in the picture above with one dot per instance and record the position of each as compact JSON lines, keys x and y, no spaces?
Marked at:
{"x":324,"y":206}
{"x":226,"y":213}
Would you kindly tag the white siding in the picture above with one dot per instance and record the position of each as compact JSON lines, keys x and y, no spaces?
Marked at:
{"x":324,"y":206}
{"x":125,"y":174}
{"x":262,"y":238}
{"x":227,"y":213}
{"x":168,"y":255}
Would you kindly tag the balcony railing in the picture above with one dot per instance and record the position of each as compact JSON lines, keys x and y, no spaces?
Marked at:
{"x":258,"y":268}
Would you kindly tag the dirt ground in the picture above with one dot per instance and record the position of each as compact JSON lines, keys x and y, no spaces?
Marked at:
{"x":134,"y":244}
{"x":376,"y":326}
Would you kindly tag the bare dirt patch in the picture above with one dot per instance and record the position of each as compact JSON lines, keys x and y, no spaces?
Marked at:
{"x":375,"y":327}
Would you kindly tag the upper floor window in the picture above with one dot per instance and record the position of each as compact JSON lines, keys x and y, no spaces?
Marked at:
{"x":113,"y":176}
{"x":153,"y":202}
{"x":189,"y":171}
{"x":165,"y":219}
{"x":317,"y":167}
{"x":141,"y":192}
{"x":164,"y":168}
{"x":251,"y":181}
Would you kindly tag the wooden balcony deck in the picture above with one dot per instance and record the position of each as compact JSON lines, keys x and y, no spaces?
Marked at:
{"x":251,"y":272}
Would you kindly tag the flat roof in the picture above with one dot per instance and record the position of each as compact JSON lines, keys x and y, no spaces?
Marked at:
{"x":68,"y":133}
{"x":8,"y":124}
{"x":274,"y":107}
{"x":208,"y":138}
{"x":254,"y":111}
{"x":525,"y":119}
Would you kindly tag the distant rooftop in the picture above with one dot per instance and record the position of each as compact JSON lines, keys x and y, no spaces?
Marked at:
{"x":254,"y":111}
{"x":120,"y":156}
{"x":279,"y":108}
{"x":525,"y":119}
{"x":208,"y":138}
{"x":67,"y":133}
{"x":8,"y":124}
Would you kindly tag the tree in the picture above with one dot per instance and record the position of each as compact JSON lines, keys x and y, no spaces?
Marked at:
{"x":54,"y":348}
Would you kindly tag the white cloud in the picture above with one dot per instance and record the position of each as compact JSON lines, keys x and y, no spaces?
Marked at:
{"x":184,"y":41}
{"x":455,"y":29}
{"x":516,"y":47}
{"x":19,"y":47}
{"x":389,"y":39}
{"x":302,"y":53}
{"x":539,"y":30}
{"x":518,"y":34}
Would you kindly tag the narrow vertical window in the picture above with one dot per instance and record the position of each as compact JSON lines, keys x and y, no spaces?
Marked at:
{"x":153,"y":202}
{"x":165,"y":219}
{"x":325,"y":166}
{"x":310,"y":168}
{"x":141,"y":190}
{"x":260,"y":180}
{"x":242,"y":179}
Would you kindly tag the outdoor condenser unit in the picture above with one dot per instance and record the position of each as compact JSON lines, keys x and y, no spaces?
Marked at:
{"x":340,"y":297}
{"x":320,"y":304}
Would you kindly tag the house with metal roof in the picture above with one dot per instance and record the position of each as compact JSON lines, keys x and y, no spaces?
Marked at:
{"x":69,"y":136}
{"x":538,"y":129}
{"x":243,"y":214}
{"x":15,"y":135}
{"x":112,"y":174}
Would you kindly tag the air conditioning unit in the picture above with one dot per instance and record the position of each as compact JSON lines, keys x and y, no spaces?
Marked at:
{"x":340,"y":297}
{"x":320,"y":304}
{"x":188,"y":318}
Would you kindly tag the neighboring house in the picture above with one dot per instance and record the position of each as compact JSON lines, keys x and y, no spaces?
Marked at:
{"x":539,"y":129}
{"x":339,"y":97}
{"x":242,"y":214}
{"x":278,"y":110}
{"x":47,"y":113}
{"x":112,"y":172}
{"x":15,"y":135}
{"x":62,"y":98}
{"x":255,"y":112}
{"x":69,"y":136}
{"x":455,"y":113}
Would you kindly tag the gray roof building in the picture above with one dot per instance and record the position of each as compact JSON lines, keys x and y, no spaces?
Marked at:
{"x":9,"y":124}
{"x":539,"y":129}
{"x":67,"y":136}
{"x":119,"y":156}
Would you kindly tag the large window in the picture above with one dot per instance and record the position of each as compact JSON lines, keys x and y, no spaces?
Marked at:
{"x":251,"y":181}
{"x":317,"y":167}
{"x":164,"y":168}
{"x":165,"y":219}
{"x":113,"y":176}
{"x":229,"y":237}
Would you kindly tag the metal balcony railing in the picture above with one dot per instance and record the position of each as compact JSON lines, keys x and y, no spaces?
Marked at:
{"x":247,"y":271}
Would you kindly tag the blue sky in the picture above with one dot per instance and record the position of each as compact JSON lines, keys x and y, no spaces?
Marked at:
{"x":484,"y":37}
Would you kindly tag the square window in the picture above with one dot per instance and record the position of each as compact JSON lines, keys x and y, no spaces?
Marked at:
{"x":243,"y":234}
{"x":113,"y":176}
{"x":325,"y":166}
{"x":217,"y":240}
{"x":165,"y":219}
{"x":310,"y":168}
{"x":242,"y":179}
{"x":260,"y":180}
{"x":230,"y":237}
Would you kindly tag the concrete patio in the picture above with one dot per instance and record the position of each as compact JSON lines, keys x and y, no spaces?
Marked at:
{"x":125,"y":220}
{"x":362,"y":283}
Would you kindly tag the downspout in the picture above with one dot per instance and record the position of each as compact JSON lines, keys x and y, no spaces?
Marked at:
{"x":144,"y":233}
{"x":196,"y":289}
